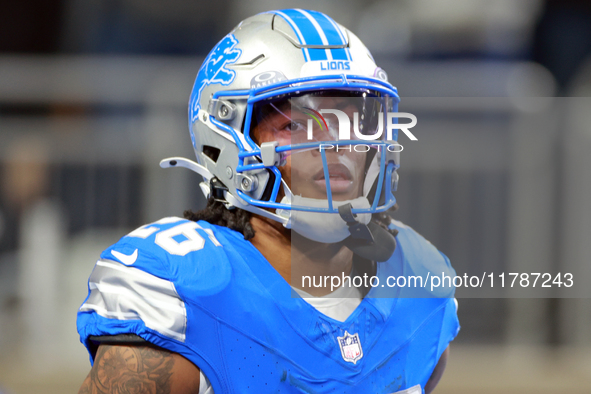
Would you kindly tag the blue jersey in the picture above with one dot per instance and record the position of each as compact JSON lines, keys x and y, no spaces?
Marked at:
{"x":204,"y":292}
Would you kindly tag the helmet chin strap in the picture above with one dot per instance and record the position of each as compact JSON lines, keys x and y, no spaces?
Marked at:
{"x":363,"y":237}
{"x":319,"y":226}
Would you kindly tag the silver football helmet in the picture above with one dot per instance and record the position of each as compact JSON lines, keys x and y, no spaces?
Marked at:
{"x":272,"y":58}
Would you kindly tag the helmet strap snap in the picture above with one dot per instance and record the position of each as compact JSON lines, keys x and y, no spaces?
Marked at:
{"x":357,"y":229}
{"x":217,"y":189}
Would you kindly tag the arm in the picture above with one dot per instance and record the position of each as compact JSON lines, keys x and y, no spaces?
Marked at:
{"x":437,"y":372}
{"x":123,"y":369}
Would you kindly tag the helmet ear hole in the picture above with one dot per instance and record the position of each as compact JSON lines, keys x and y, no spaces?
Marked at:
{"x":212,"y":152}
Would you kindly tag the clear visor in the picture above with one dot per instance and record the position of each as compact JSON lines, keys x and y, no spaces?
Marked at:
{"x":330,"y":141}
{"x":330,"y":115}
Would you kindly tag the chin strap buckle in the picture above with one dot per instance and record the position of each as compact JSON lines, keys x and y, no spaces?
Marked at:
{"x":357,"y":229}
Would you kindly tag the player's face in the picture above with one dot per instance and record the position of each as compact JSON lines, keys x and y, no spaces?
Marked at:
{"x":304,"y":170}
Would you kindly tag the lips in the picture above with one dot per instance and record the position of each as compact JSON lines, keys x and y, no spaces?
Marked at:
{"x":341,"y":179}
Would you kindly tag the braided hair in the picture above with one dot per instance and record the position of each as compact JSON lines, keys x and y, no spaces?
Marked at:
{"x":215,"y":212}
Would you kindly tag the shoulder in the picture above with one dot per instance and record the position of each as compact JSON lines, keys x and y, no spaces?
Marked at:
{"x":414,"y":245}
{"x":180,"y":251}
{"x":421,"y":257}
{"x":142,"y":283}
{"x":172,"y":241}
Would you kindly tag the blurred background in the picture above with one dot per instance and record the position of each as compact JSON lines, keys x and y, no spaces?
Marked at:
{"x":93,"y":94}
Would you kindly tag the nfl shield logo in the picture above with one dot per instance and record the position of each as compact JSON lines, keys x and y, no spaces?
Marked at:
{"x":350,"y":347}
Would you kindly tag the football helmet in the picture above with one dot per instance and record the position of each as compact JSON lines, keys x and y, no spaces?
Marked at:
{"x":268,"y":60}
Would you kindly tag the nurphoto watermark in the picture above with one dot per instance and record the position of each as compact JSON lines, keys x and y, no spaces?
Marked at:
{"x":355,"y":124}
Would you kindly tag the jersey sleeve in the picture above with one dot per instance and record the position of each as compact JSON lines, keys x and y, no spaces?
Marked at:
{"x":450,"y":325}
{"x":132,"y":288}
{"x":423,"y":259}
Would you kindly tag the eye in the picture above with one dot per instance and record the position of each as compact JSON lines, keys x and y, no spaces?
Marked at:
{"x":294,"y":126}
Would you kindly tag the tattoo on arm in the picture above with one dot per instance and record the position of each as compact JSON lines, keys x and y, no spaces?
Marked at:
{"x":129,"y":370}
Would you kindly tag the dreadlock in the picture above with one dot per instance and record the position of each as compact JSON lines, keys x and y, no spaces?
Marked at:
{"x":216,"y":213}
{"x":239,"y":220}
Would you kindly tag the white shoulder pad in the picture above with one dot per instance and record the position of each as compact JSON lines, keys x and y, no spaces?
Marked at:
{"x":118,"y":291}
